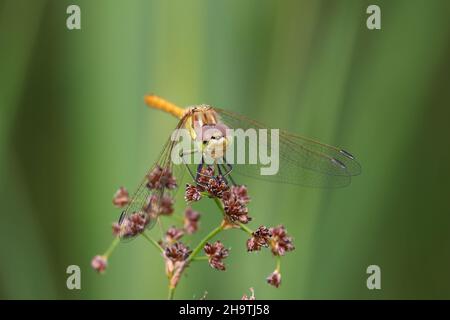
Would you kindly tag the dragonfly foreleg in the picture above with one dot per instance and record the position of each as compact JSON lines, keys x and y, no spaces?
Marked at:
{"x":184,"y":153}
{"x":228,"y":170}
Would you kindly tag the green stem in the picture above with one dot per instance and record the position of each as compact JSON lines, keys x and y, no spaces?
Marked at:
{"x":220,"y":206}
{"x":202,"y":258}
{"x":245,"y":228}
{"x":278,"y":264}
{"x":171,"y":293}
{"x":202,"y":243}
{"x":112,"y":246}
{"x":153,"y":242}
{"x":200,"y":246}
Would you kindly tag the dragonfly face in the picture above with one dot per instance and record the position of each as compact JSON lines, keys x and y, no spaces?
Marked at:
{"x":206,"y":129}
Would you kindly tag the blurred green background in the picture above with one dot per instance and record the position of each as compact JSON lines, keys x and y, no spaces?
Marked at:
{"x":73,"y":128}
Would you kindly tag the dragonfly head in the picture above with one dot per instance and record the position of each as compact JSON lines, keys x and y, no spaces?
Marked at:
{"x":214,"y":141}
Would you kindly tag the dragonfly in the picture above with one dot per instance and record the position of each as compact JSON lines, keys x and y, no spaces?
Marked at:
{"x":302,"y":161}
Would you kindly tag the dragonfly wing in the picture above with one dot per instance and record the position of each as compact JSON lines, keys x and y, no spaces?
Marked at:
{"x":302,"y":161}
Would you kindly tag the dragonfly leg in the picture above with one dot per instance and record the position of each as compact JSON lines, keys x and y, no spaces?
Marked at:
{"x":199,"y":173}
{"x":228,"y":171}
{"x":182,"y":154}
{"x":219,"y":165}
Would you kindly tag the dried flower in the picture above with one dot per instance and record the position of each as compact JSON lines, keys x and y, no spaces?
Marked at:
{"x":159,"y":205}
{"x":131,"y":225}
{"x":99,"y":263}
{"x":121,"y":198}
{"x":176,"y":252}
{"x":260,"y":238}
{"x":175,"y":256}
{"x":191,"y":219}
{"x":251,"y":297}
{"x":160,"y":178}
{"x":241,"y":193}
{"x":192,"y":193}
{"x":274,"y":279}
{"x":235,"y":205}
{"x":173,"y":234}
{"x":116,"y":229}
{"x":280,"y":242}
{"x":206,"y":173}
{"x":216,"y":186}
{"x":216,"y":253}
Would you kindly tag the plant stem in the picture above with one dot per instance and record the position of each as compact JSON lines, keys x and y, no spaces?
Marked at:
{"x":198,"y":248}
{"x":202,"y":243}
{"x":278,"y":264}
{"x":202,"y":258}
{"x":245,"y":228}
{"x":219,"y":205}
{"x":171,"y":293}
{"x":112,"y":246}
{"x":153,"y":242}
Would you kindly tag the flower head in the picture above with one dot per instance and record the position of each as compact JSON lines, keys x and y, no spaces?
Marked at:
{"x":235,"y":204}
{"x":216,"y":186}
{"x":131,"y":225}
{"x":116,"y":229}
{"x":121,"y":198}
{"x":192,"y":193}
{"x":206,"y":173}
{"x":260,"y":238}
{"x":274,"y":279}
{"x":216,"y":253}
{"x":251,"y":297}
{"x":99,"y":263}
{"x":241,"y":193}
{"x":177,"y":252}
{"x":160,"y":178}
{"x":175,"y":256}
{"x":157,"y":205}
{"x":191,"y":220}
{"x":280,"y":242}
{"x":173,"y":234}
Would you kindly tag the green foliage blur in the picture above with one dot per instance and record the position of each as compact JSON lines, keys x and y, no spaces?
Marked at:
{"x":73,"y":128}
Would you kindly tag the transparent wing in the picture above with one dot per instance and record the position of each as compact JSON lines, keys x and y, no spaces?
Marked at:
{"x":146,"y":200}
{"x":302,"y":161}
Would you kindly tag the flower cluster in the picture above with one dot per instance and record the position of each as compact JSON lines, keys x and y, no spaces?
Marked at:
{"x":157,"y":204}
{"x":121,"y":198}
{"x":216,"y":253}
{"x":274,"y":279}
{"x":160,"y":178}
{"x":251,"y":297}
{"x":260,"y":238}
{"x":232,"y":199}
{"x":131,"y":225}
{"x":191,"y":220}
{"x":99,"y":263}
{"x":173,"y":234}
{"x":235,"y":202}
{"x":235,"y":198}
{"x":192,"y":193}
{"x":175,"y":256}
{"x":280,"y":242}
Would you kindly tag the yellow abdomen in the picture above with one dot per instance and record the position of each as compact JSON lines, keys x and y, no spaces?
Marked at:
{"x":164,"y":105}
